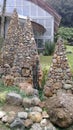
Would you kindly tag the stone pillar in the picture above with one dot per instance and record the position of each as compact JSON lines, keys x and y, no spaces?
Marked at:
{"x":59,"y":77}
{"x":12,"y":40}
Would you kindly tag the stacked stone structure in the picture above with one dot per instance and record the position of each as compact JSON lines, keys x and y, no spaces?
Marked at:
{"x":12,"y":40}
{"x":26,"y":63}
{"x":59,"y":77}
{"x":19,"y":54}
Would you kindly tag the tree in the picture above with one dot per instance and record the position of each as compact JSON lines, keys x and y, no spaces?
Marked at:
{"x":65,"y":9}
{"x":3,"y":18}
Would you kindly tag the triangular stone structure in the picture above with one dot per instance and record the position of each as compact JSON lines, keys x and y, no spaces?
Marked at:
{"x":26,"y":59}
{"x":59,"y":77}
{"x":12,"y":40}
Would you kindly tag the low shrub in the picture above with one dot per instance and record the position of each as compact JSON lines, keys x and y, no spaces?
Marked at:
{"x":49,"y":48}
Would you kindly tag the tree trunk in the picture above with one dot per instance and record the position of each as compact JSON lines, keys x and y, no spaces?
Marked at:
{"x":3,"y":18}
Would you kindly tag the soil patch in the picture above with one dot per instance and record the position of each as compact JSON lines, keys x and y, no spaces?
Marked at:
{"x":8,"y":108}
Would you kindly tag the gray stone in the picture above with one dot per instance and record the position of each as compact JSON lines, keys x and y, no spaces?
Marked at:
{"x":13,"y":98}
{"x":67,"y":86}
{"x":23,"y":115}
{"x":35,"y":109}
{"x":26,"y":102}
{"x":2,"y":114}
{"x":17,"y":123}
{"x":43,"y":122}
{"x":36,"y":126}
{"x":35,"y":101}
{"x":5,"y":119}
{"x":49,"y":126}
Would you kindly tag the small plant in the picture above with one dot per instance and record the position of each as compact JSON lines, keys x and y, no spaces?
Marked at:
{"x":49,"y":48}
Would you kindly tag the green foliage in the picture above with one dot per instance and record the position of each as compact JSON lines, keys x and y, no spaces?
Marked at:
{"x":6,"y":89}
{"x":66,"y":33}
{"x":45,"y":73}
{"x":2,"y":97}
{"x":65,"y":9}
{"x":49,"y":48}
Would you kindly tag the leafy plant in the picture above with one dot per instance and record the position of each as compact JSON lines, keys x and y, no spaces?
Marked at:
{"x":49,"y":48}
{"x":66,"y":33}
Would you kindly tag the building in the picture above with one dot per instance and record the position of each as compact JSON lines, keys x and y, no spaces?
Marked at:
{"x":44,"y":19}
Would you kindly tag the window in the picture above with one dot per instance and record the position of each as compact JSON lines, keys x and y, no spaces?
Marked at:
{"x":19,"y":6}
{"x":41,"y":12}
{"x":26,"y":8}
{"x":10,"y":5}
{"x":33,"y":10}
{"x":1,"y":4}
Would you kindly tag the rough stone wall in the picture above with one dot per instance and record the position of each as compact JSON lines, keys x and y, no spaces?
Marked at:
{"x":26,"y":63}
{"x":59,"y":77}
{"x":12,"y":40}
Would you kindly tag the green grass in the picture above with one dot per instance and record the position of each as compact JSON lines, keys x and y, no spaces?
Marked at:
{"x":45,"y":61}
{"x":69,"y":48}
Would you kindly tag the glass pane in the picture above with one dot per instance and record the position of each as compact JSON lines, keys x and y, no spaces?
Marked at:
{"x":1,"y":4}
{"x":10,"y":5}
{"x":26,"y":8}
{"x":41,"y":12}
{"x":33,"y":10}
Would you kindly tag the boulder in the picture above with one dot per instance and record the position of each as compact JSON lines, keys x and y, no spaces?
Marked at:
{"x":60,"y":109}
{"x":14,"y":98}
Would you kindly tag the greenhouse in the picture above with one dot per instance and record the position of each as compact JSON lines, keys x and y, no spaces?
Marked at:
{"x":44,"y":19}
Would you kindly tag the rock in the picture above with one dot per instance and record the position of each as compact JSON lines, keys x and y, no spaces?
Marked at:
{"x":13,"y":98}
{"x":5,"y":119}
{"x":61,"y":107}
{"x":28,"y":123}
{"x":48,"y":92}
{"x":45,"y":115}
{"x":43,"y":122}
{"x":57,"y":85}
{"x":2,"y":114}
{"x":54,"y":61}
{"x":41,"y":104}
{"x":26,"y":88}
{"x":49,"y":126}
{"x":35,"y":101}
{"x":11,"y":116}
{"x":8,"y":80}
{"x":26,"y":102}
{"x":35,"y":109}
{"x":67,"y":86}
{"x":22,"y":115}
{"x":17,"y":123}
{"x":35,"y":116}
{"x":36,"y":126}
{"x":35,"y":92}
